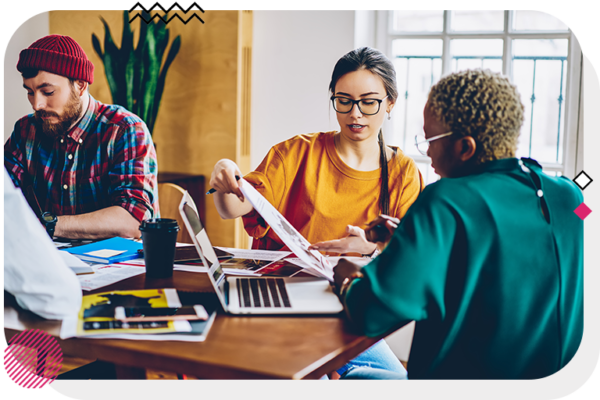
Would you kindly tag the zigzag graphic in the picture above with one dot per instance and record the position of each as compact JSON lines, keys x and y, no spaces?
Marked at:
{"x":165,"y":11}
{"x":166,"y":21}
{"x":170,"y":8}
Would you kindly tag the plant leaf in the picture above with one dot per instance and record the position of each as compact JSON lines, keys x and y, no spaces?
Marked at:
{"x":115,"y":74}
{"x":135,"y":76}
{"x":97,"y":48}
{"x":147,"y":61}
{"x":127,"y":60}
{"x":138,"y":66}
{"x":127,"y":37}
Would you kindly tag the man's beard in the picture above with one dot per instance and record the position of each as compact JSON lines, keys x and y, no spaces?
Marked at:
{"x":72,"y":112}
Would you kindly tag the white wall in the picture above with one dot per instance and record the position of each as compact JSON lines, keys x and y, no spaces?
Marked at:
{"x":293,"y":56}
{"x":16,"y":104}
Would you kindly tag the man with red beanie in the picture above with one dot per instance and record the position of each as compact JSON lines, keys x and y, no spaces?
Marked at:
{"x":92,"y":166}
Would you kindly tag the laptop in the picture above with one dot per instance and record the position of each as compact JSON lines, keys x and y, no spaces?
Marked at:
{"x":257,"y":295}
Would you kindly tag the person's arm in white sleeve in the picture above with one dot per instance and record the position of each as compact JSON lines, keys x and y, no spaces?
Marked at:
{"x":34,"y":272}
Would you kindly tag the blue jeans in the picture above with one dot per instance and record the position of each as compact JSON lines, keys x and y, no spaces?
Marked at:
{"x":379,"y":356}
{"x":371,"y":373}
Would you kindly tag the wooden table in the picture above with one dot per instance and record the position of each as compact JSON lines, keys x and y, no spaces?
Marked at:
{"x":281,"y":347}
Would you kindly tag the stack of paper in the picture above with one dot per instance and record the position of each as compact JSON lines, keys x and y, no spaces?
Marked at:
{"x":96,"y":318}
{"x":76,"y":265}
{"x":105,"y":275}
{"x":250,"y":262}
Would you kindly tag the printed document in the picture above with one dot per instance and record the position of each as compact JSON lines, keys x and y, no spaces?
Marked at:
{"x":314,"y":262}
{"x":105,"y":275}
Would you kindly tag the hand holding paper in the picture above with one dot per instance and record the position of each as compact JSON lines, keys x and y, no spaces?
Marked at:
{"x":315,"y":262}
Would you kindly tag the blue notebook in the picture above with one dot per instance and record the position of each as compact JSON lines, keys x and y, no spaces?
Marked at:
{"x":107,"y":251}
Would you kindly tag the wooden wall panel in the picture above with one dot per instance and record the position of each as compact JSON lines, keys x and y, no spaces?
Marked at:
{"x":244,"y":109}
{"x":199,"y":118}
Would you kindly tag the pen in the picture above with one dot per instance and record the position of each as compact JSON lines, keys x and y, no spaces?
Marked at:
{"x":212,"y":190}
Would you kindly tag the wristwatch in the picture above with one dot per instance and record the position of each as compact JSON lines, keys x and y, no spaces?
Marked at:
{"x":49,"y":221}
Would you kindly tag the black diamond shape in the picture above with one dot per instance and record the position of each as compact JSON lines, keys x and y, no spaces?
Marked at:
{"x":578,"y":175}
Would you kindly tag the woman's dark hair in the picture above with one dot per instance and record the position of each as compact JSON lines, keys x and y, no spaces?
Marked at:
{"x":377,"y":63}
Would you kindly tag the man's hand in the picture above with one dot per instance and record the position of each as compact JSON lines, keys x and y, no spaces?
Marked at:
{"x":341,"y":271}
{"x":105,"y":223}
{"x":355,"y":241}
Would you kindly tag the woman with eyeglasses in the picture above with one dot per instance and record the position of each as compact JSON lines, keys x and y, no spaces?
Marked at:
{"x":329,"y":184}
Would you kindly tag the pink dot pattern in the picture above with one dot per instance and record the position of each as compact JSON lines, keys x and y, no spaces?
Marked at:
{"x":33,"y":359}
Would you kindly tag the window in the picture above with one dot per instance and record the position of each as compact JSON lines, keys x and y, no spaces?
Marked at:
{"x":535,"y":50}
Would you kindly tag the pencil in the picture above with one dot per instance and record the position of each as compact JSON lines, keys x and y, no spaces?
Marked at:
{"x":212,"y":190}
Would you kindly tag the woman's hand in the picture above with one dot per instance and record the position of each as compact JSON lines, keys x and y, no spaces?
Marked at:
{"x":228,"y":197}
{"x":381,"y":229}
{"x":355,"y":241}
{"x":223,"y":178}
{"x":341,"y":271}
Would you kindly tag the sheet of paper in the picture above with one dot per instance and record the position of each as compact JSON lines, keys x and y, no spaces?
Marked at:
{"x":305,"y":267}
{"x":362,"y":261}
{"x":248,"y":262}
{"x":263,"y":255}
{"x":76,"y":265}
{"x":287,"y":233}
{"x":69,"y":329}
{"x":139,"y":262}
{"x":189,"y":268}
{"x":105,"y":275}
{"x":71,"y":260}
{"x":280,"y":268}
{"x":105,"y":253}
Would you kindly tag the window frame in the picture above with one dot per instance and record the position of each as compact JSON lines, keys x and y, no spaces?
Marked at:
{"x":572,"y":145}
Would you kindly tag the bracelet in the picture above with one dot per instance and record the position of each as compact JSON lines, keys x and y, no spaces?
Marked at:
{"x":348,"y":281}
{"x":374,"y":254}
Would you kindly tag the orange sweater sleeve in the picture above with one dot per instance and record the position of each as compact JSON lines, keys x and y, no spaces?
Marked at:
{"x":269,"y":180}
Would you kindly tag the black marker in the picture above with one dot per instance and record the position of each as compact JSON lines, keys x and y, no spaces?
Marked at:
{"x":212,"y":190}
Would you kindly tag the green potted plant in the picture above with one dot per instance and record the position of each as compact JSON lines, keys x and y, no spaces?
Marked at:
{"x":134,"y":75}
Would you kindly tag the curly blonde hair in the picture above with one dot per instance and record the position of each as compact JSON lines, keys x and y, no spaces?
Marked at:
{"x":481,"y":104}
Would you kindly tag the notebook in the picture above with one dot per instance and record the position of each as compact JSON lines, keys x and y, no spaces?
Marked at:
{"x":257,"y":295}
{"x":107,"y":251}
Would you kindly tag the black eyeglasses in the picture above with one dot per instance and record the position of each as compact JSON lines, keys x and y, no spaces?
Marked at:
{"x":344,"y":105}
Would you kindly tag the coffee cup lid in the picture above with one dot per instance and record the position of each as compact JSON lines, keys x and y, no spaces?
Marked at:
{"x":159,"y":223}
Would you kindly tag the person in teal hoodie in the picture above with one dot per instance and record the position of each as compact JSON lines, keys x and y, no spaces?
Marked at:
{"x":488,"y":261}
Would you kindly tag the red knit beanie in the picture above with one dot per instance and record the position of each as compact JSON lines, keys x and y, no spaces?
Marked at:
{"x":59,"y":55}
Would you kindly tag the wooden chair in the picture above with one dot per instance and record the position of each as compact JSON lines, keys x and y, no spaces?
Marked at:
{"x":169,"y":197}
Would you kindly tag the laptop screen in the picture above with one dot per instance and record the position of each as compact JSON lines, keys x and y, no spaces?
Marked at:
{"x":208,"y":252}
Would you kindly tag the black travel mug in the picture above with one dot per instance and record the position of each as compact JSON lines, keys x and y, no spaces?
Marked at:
{"x":159,"y":238}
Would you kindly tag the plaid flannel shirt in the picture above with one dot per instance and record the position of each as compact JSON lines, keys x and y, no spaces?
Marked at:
{"x":107,"y":159}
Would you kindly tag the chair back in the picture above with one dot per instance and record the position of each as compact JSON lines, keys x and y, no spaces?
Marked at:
{"x":169,"y":197}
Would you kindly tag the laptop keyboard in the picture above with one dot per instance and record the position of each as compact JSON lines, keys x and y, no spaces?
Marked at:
{"x":262,"y":293}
